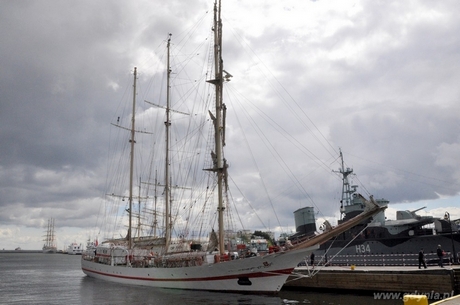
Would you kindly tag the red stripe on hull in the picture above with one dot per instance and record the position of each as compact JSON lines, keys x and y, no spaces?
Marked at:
{"x":215,"y":278}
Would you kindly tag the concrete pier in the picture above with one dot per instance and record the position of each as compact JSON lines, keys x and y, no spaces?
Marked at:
{"x":364,"y":279}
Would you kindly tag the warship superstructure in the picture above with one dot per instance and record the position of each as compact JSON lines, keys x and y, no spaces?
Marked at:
{"x":408,"y":234}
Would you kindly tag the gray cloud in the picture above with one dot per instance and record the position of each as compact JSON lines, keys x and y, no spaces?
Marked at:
{"x":378,"y":80}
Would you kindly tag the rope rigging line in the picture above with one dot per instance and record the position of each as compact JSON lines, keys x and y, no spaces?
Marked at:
{"x":270,"y":146}
{"x":253,"y":54}
{"x":313,"y":272}
{"x":325,"y":253}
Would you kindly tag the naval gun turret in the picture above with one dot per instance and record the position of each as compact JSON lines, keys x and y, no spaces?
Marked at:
{"x":400,"y":215}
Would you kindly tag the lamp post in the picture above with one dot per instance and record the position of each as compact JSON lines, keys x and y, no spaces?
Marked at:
{"x":447,"y":218}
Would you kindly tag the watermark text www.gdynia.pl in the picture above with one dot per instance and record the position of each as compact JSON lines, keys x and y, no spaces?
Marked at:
{"x":433,"y":295}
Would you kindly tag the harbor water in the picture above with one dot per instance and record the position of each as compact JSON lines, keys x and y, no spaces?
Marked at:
{"x":36,"y":278}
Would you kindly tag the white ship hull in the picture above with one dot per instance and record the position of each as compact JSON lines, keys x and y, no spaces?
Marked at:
{"x":263,"y":274}
{"x":49,"y":250}
{"x":75,"y":249}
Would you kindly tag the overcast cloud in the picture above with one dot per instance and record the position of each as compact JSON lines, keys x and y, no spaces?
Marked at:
{"x":379,"y":79}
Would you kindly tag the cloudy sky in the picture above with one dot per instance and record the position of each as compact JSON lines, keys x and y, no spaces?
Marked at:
{"x":377,"y":79}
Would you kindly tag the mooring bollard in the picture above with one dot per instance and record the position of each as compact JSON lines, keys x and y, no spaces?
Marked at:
{"x":415,"y":300}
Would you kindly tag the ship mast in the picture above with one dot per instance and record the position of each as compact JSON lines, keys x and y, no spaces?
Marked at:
{"x":346,"y":188}
{"x":53,"y":238}
{"x":48,"y":234}
{"x":131,"y":163}
{"x":167,"y":183}
{"x":167,"y":176}
{"x":219,"y":129}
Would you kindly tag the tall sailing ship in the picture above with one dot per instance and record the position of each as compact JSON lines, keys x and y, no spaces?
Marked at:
{"x":50,"y":239}
{"x":176,"y":258}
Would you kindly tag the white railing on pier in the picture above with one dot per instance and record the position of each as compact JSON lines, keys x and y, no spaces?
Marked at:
{"x":401,"y":259}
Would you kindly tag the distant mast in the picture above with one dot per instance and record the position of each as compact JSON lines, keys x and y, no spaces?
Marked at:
{"x":50,"y":239}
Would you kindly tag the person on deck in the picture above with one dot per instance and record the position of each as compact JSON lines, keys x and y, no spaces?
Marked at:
{"x":421,"y":259}
{"x":440,"y":254}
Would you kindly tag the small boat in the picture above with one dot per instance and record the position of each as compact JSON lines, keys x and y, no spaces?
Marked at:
{"x":74,"y":249}
{"x":50,"y":239}
{"x":181,"y":261}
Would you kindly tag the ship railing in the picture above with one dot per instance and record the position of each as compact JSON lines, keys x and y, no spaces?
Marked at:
{"x":399,"y":259}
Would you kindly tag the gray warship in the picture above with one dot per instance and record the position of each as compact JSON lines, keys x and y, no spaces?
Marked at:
{"x":379,"y":237}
